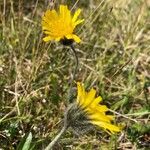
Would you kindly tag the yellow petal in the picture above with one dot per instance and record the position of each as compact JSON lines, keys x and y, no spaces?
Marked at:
{"x":69,"y":36}
{"x":58,"y":39}
{"x":50,"y":15}
{"x":100,"y":108}
{"x":99,"y":117}
{"x":47,"y":38}
{"x":96,"y":101}
{"x":45,"y":25}
{"x":89,"y":97}
{"x":79,"y":89}
{"x":47,"y":32}
{"x":108,"y":126}
{"x":81,"y":94}
{"x":77,"y":13}
{"x":77,"y":22}
{"x":111,"y":117}
{"x":63,"y":9}
{"x":76,"y":38}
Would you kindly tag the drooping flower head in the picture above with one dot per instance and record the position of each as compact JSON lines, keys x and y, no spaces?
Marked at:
{"x":95,"y":112}
{"x":59,"y":26}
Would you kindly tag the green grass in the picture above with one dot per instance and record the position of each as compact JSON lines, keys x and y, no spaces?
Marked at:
{"x":114,"y":57}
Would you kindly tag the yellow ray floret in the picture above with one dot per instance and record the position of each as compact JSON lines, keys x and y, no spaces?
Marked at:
{"x":94,"y":110}
{"x":60,"y":25}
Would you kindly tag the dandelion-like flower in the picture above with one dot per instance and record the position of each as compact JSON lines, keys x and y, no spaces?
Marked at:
{"x":95,"y":112}
{"x":59,"y":26}
{"x":84,"y":113}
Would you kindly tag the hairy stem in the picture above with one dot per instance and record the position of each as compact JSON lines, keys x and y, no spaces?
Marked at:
{"x":54,"y":141}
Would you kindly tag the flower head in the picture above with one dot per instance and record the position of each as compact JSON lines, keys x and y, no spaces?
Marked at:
{"x":60,"y":25}
{"x":95,"y":112}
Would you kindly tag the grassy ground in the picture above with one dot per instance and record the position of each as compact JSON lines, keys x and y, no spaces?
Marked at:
{"x":114,"y":57}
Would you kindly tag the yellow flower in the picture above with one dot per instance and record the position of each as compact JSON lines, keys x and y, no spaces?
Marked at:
{"x":95,"y":112}
{"x":60,"y":26}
